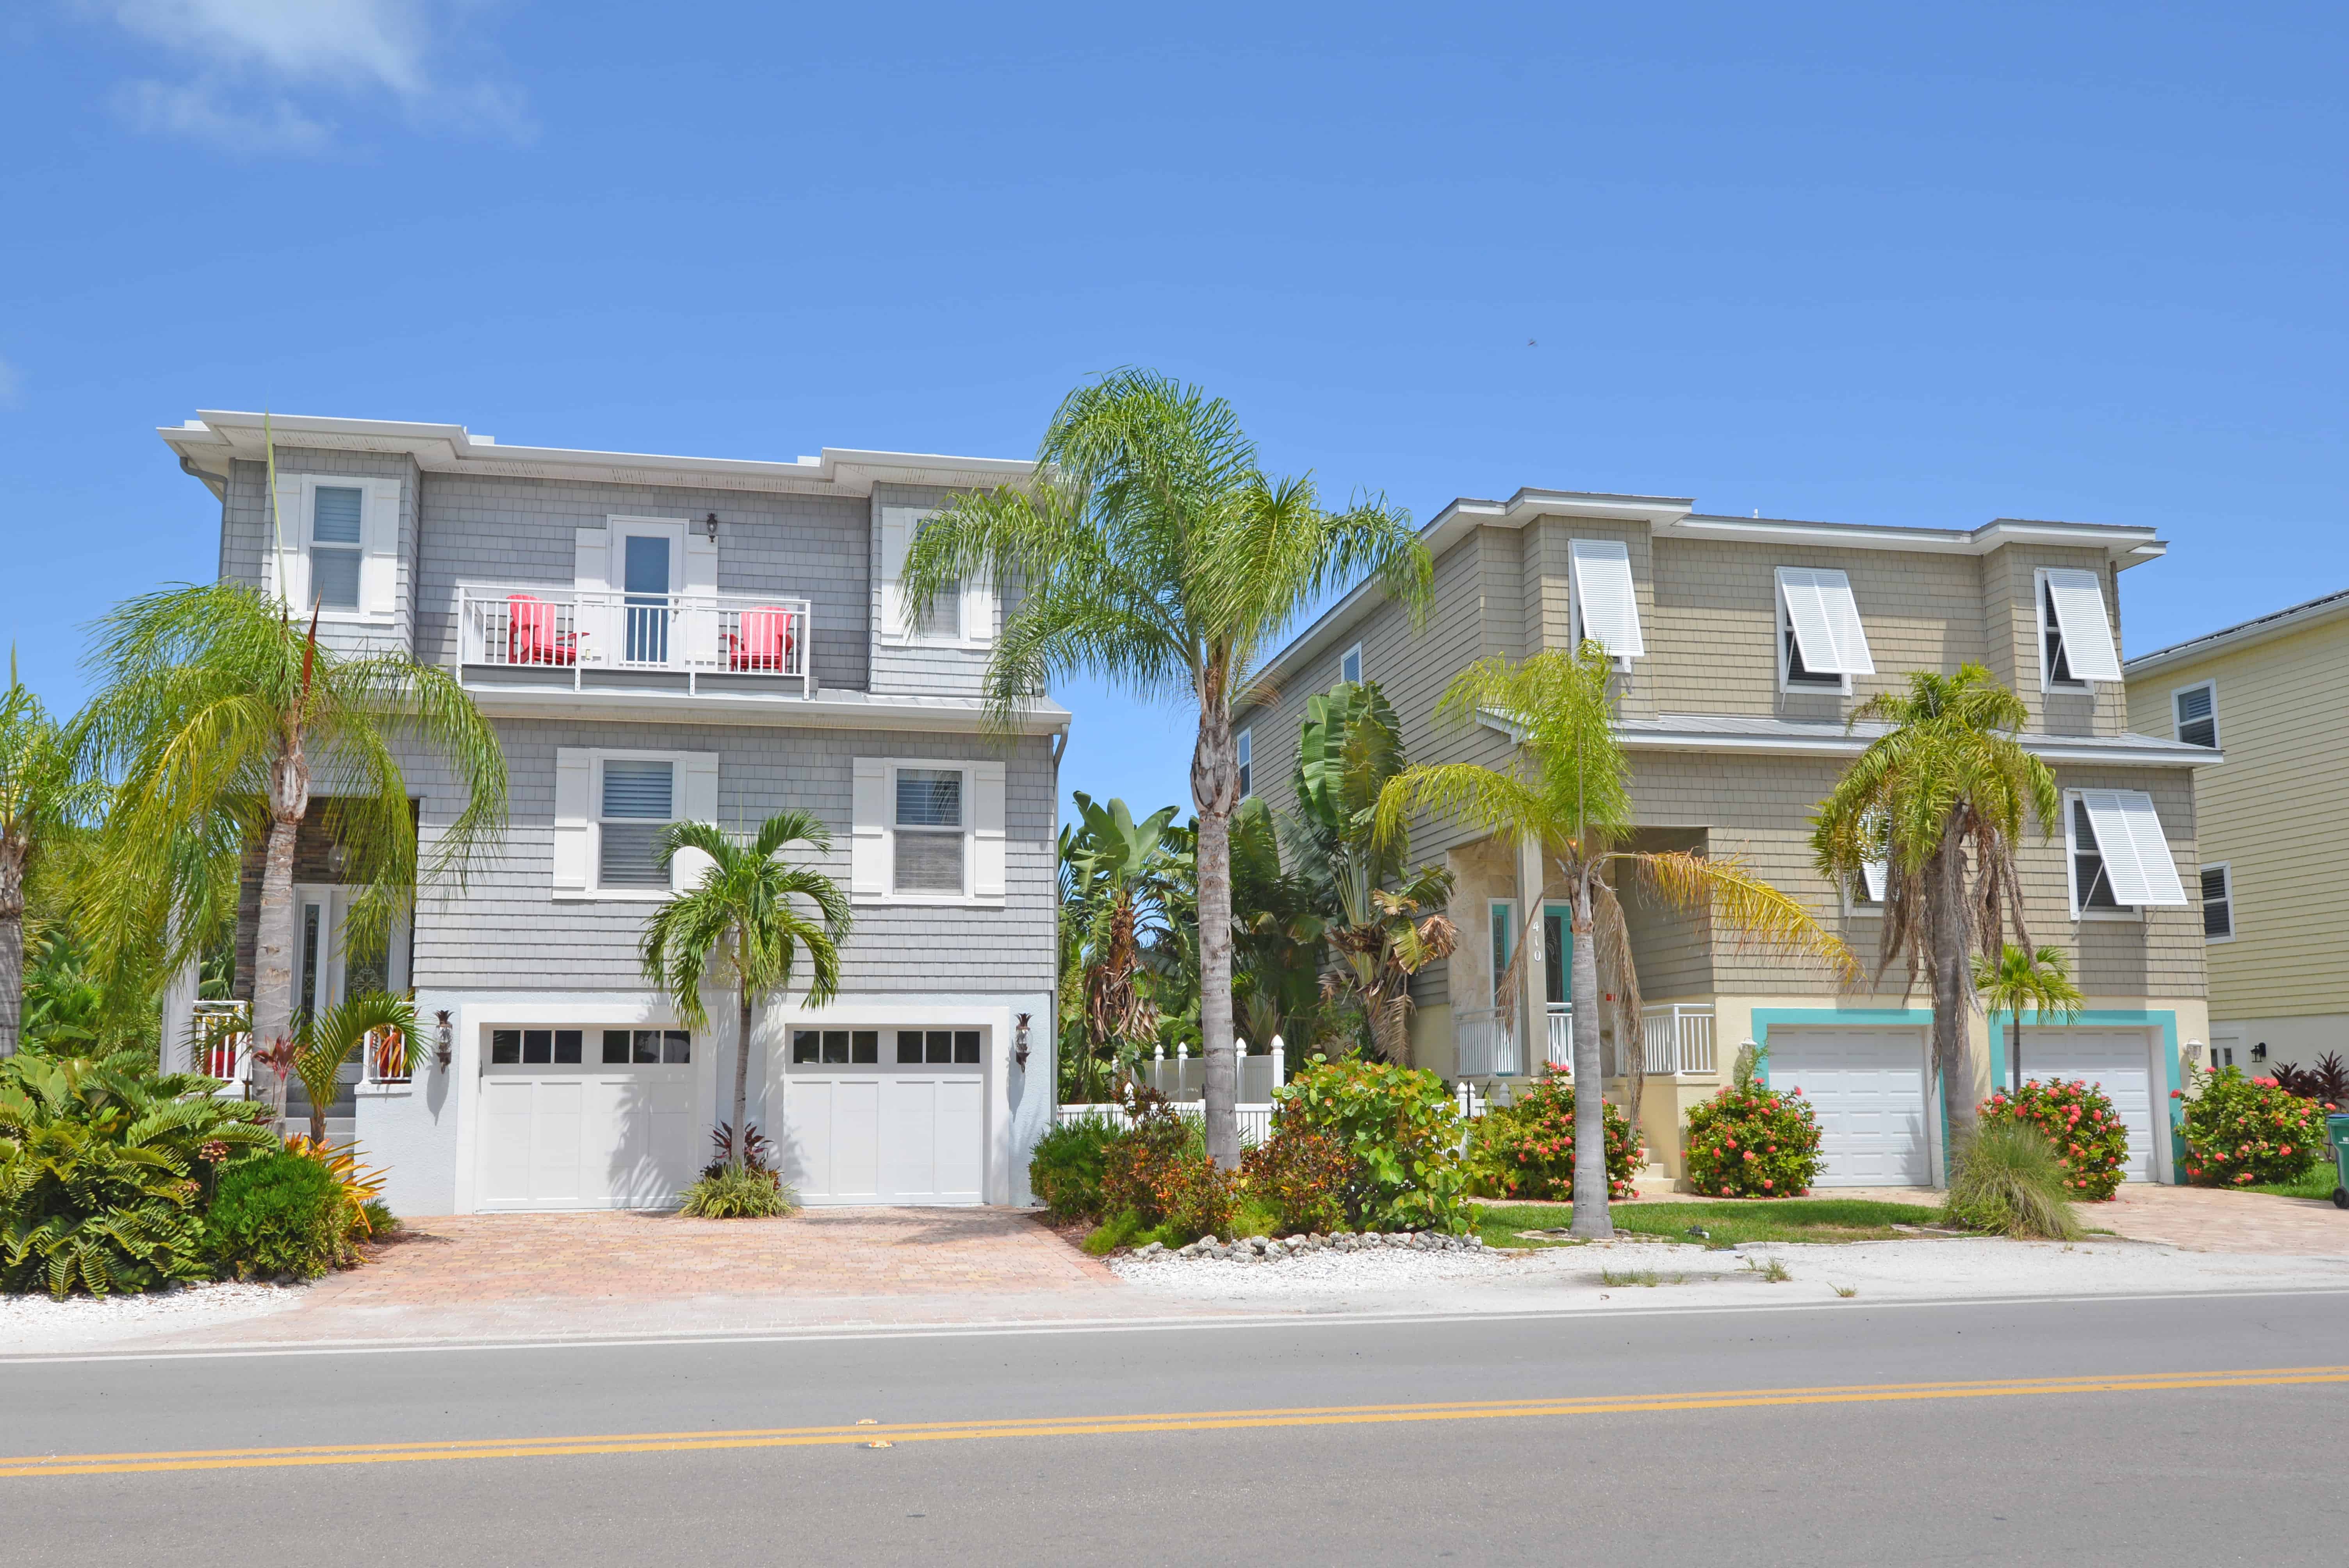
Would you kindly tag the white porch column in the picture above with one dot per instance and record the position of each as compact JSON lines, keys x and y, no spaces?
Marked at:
{"x":176,"y":1043}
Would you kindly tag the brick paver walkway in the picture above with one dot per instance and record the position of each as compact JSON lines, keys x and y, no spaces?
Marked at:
{"x":2213,"y":1220}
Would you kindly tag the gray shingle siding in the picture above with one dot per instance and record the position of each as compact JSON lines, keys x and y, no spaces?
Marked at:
{"x":900,"y":669}
{"x":506,"y":932}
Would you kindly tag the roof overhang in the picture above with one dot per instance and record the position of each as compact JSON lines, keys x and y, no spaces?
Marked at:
{"x":1788,"y":737}
{"x":2282,"y":623}
{"x":208,"y":443}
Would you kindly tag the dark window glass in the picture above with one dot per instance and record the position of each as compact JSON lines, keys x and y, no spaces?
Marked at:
{"x":566,"y":1047}
{"x":538,"y":1045}
{"x":864,"y":1046}
{"x":966,"y":1045}
{"x":806,"y":1044}
{"x":940,"y":1045}
{"x":1557,"y":950}
{"x":648,"y":1047}
{"x":835,"y":1045}
{"x":2059,"y":664}
{"x":909,"y":1046}
{"x":1797,"y":673}
{"x":615,"y":1046}
{"x":2197,"y":722}
{"x":2217,"y":908}
{"x":505,"y":1046}
{"x":2088,"y":863}
{"x":677,"y":1046}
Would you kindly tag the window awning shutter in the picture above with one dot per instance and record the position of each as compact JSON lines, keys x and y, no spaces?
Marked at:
{"x":2135,"y":851}
{"x":1603,"y":593}
{"x":1825,"y":619}
{"x":1872,"y":874}
{"x":2079,"y":601}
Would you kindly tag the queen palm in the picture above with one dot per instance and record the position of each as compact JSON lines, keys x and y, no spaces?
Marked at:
{"x":2020,"y":978}
{"x":1939,"y":801}
{"x":754,"y":919}
{"x":217,"y":709}
{"x":42,"y":795}
{"x":1150,"y":549}
{"x":1567,"y":791}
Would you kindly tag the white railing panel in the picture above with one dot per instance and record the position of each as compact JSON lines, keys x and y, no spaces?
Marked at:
{"x":1256,"y":1121}
{"x":1560,"y":1053}
{"x":1696,"y":1038}
{"x":384,"y":1056}
{"x":220,"y":1038}
{"x":571,"y":630}
{"x":1484,"y":1046}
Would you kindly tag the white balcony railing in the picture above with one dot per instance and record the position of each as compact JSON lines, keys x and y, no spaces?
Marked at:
{"x":575,"y":631}
{"x":1679,"y":1039}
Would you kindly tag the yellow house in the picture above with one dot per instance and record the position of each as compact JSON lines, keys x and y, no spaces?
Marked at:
{"x":2274,"y":869}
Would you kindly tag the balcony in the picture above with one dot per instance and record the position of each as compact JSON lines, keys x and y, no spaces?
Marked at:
{"x":574,"y":639}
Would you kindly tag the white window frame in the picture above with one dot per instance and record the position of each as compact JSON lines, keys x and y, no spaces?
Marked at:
{"x":380,"y":502}
{"x":2176,"y":725}
{"x":2234,"y":925}
{"x":2127,"y":912}
{"x":1814,"y":686}
{"x":1353,"y":656}
{"x":1244,"y":751}
{"x":973,"y":814}
{"x":694,"y":774}
{"x":311,"y":544}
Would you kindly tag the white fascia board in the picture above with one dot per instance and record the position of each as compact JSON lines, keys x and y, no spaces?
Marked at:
{"x":220,"y":435}
{"x":946,"y":715}
{"x":2125,"y":546}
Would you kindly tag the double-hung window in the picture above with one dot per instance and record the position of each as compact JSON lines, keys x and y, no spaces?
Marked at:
{"x":2118,"y":854}
{"x":928,"y":855}
{"x":1244,"y":744}
{"x":2195,"y":710}
{"x":2218,"y":903}
{"x":338,"y":544}
{"x":636,"y":807}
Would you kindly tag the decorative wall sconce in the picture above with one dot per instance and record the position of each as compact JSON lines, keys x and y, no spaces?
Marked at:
{"x":710,"y":527}
{"x":1019,"y":1041}
{"x":444,"y":1038}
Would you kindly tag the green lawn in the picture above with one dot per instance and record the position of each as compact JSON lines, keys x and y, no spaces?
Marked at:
{"x":1726,"y":1224}
{"x":2318,"y":1183}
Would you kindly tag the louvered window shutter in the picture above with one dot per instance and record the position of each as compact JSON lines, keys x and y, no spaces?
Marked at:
{"x":2197,"y":717}
{"x":1604,"y":593}
{"x":286,"y":545}
{"x":2079,"y":601}
{"x":2135,"y":851}
{"x":379,"y":570}
{"x":575,"y":822}
{"x":988,"y":860}
{"x":868,"y":853}
{"x":700,"y":615}
{"x":1825,"y":619}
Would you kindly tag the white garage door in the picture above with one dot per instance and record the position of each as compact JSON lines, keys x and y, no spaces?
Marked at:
{"x":857,"y":1129}
{"x":1868,"y":1089}
{"x":2119,"y":1061}
{"x":586,"y":1119}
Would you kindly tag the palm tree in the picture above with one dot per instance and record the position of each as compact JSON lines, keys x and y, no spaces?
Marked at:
{"x":1938,"y":800}
{"x":42,"y":795}
{"x":2020,"y":978}
{"x":743,"y":913}
{"x":1567,"y":791}
{"x":1150,"y":548}
{"x":324,"y":1041}
{"x":216,"y":708}
{"x":1119,"y":870}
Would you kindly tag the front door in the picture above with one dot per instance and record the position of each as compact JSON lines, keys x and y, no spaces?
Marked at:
{"x":1558,"y":977}
{"x":328,"y":969}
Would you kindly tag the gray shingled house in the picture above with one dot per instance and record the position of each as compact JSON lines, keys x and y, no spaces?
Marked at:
{"x":658,"y":638}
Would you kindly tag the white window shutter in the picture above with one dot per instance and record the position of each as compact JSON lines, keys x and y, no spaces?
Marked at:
{"x":1871,"y":873}
{"x":697,"y":778}
{"x":978,"y":607}
{"x":379,"y":567}
{"x":987,"y":861}
{"x":700,"y":597}
{"x":591,"y":566}
{"x":868,"y":852}
{"x":1825,"y":619}
{"x":897,"y":524}
{"x":2134,"y":849}
{"x":1604,"y":593}
{"x":290,"y":530}
{"x":2088,"y":635}
{"x":574,"y":818}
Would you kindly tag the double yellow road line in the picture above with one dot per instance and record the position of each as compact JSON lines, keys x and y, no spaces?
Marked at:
{"x":891,"y":1434}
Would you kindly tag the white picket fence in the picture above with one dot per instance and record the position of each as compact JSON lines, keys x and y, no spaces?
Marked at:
{"x":1256,"y":1121}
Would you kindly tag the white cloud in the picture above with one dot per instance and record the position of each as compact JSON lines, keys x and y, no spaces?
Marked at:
{"x":266,"y":72}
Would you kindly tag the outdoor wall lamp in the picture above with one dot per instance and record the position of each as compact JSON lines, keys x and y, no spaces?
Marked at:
{"x":710,"y":527}
{"x":1019,"y":1041}
{"x":2260,"y":1052}
{"x":443,"y":1038}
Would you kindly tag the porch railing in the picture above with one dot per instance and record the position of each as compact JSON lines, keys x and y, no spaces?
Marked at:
{"x":1256,"y":1120}
{"x":1678,"y":1038}
{"x":1486,"y":1047}
{"x":220,"y":1036}
{"x":1561,"y":1037}
{"x":384,"y":1054}
{"x":576,"y":631}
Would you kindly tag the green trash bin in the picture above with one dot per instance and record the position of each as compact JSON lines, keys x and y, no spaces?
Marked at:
{"x":2336,"y":1129}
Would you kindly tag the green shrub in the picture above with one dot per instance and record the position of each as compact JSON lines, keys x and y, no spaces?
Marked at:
{"x":279,"y":1216}
{"x":381,"y":1222}
{"x":103,"y":1170}
{"x":1296,"y":1181}
{"x":2009,"y":1182}
{"x":2078,"y":1120}
{"x":2240,"y":1130}
{"x":1067,"y":1167}
{"x":1158,"y":1170}
{"x":1400,"y":1128}
{"x":1526,"y":1148}
{"x":1748,"y":1141}
{"x":738,"y":1193}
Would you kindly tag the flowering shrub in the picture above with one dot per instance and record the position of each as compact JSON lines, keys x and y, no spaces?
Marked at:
{"x":1301,"y":1174}
{"x":2240,"y":1130}
{"x":1399,"y":1130}
{"x":1748,"y":1141}
{"x":2080,"y":1124}
{"x":1526,"y":1148}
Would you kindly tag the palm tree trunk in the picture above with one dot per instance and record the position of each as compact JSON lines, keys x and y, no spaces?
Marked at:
{"x":1948,"y":934}
{"x":272,"y":947}
{"x":318,"y":1122}
{"x":1214,"y":788}
{"x":12,"y":947}
{"x":1591,"y":1219}
{"x":740,"y":1152}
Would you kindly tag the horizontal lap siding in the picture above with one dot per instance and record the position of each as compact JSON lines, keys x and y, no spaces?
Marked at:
{"x":2272,"y":811}
{"x":497,"y":531}
{"x":506,"y":931}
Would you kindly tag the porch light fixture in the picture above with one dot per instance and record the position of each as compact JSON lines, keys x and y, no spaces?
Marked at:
{"x":710,"y":527}
{"x":443,"y":1038}
{"x":1019,"y":1041}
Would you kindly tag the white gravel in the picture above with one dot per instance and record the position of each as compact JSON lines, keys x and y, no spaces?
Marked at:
{"x":39,"y":1324}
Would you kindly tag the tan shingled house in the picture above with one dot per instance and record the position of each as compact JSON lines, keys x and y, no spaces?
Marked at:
{"x":1743,"y":643}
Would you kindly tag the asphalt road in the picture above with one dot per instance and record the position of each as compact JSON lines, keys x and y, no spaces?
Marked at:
{"x":1569,"y":1458}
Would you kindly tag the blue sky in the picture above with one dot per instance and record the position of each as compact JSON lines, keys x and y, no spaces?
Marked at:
{"x":1862,"y":263}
